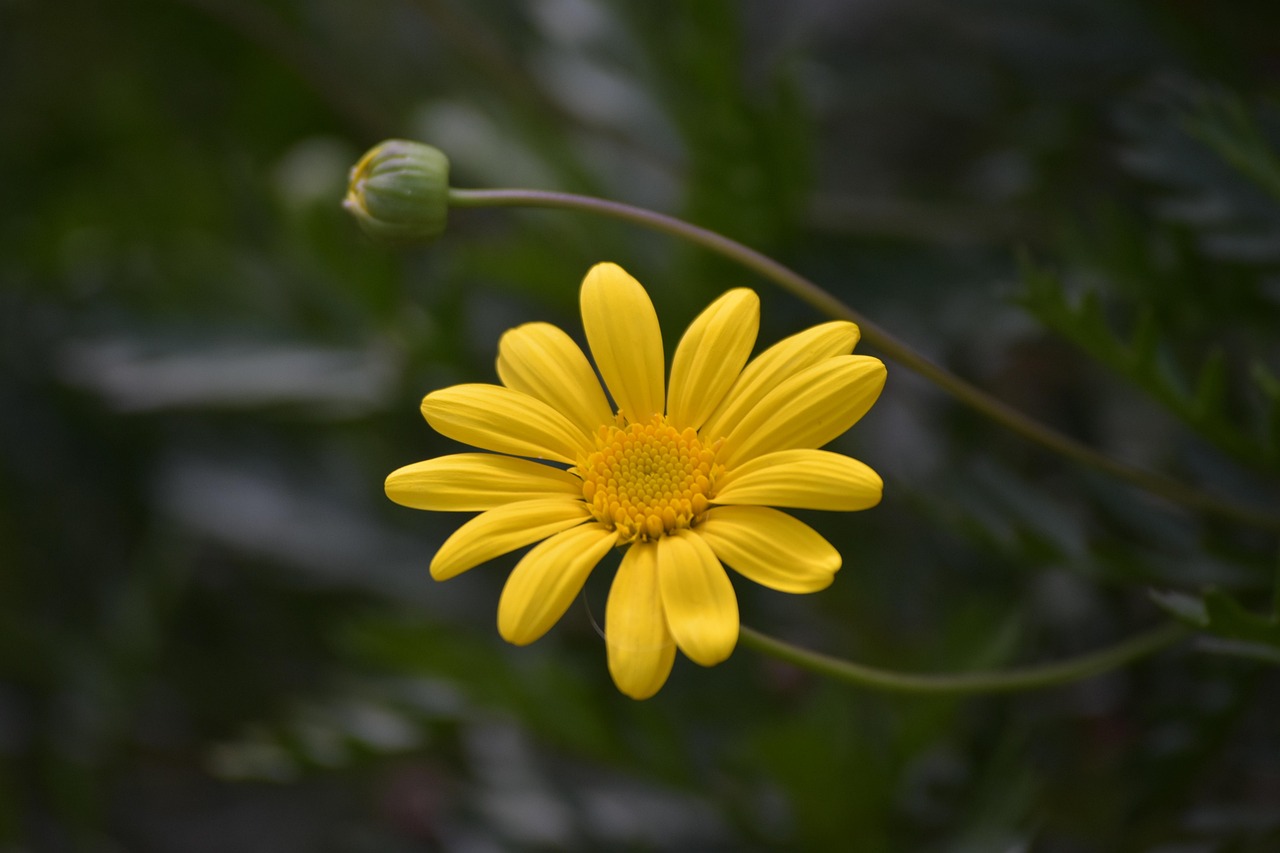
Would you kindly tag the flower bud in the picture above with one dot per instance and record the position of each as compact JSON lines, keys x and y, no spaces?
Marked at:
{"x":399,"y":192}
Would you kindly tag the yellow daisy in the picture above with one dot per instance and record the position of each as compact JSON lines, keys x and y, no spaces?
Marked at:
{"x":682,"y":476}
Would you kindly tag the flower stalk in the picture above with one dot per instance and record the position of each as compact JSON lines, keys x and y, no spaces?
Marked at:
{"x":970,"y":683}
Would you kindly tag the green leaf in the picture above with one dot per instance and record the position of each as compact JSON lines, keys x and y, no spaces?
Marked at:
{"x":1183,"y":607}
{"x":1229,"y":619}
{"x":1240,"y":648}
{"x":1266,"y":380}
{"x":1145,"y":359}
{"x":1211,"y":387}
{"x":1236,"y":631}
{"x":1225,"y":124}
{"x":1145,"y":344}
{"x":1269,"y":385}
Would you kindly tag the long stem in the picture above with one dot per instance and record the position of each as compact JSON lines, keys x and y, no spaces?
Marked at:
{"x":999,"y":681}
{"x":877,"y":337}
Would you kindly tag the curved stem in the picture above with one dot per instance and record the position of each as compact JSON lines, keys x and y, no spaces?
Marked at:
{"x":877,"y":337}
{"x":997,"y":681}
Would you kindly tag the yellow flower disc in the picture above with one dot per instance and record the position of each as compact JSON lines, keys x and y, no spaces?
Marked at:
{"x":647,"y":480}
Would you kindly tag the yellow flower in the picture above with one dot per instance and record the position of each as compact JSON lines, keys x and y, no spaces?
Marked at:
{"x":683,"y":477}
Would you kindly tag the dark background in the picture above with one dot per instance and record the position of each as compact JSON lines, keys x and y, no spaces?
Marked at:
{"x":217,"y":634}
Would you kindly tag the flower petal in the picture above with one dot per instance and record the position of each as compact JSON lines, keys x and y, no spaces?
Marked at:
{"x":770,"y":547}
{"x":623,"y":333}
{"x":544,"y":362}
{"x":776,"y":364}
{"x":545,"y":581}
{"x":506,"y":528}
{"x":469,"y":482}
{"x":803,"y":479}
{"x":506,"y":421}
{"x":640,"y":646}
{"x":711,"y":355}
{"x":809,"y":409}
{"x":702,"y":611}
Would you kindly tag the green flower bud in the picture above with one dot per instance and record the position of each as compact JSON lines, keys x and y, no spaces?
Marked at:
{"x":399,"y":192}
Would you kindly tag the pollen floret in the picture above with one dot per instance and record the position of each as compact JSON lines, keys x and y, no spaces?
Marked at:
{"x":647,"y":480}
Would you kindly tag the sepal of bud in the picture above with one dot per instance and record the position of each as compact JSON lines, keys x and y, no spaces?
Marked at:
{"x":399,"y":192}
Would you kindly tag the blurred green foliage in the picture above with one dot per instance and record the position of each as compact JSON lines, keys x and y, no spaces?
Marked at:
{"x":216,"y":633}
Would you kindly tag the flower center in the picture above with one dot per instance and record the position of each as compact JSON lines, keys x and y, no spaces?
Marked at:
{"x":647,"y":479}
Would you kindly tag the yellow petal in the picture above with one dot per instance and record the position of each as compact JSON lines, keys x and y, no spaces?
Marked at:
{"x":773,"y":366}
{"x":623,"y":333}
{"x":546,"y":580}
{"x":809,"y":409}
{"x":711,"y":355}
{"x":506,"y":421}
{"x":803,"y":479}
{"x":641,"y":649}
{"x":702,"y":611}
{"x":469,"y":482}
{"x":544,"y":362}
{"x":506,"y":528}
{"x":770,"y":547}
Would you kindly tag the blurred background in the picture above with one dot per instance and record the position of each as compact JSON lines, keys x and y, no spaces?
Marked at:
{"x":217,"y":634}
